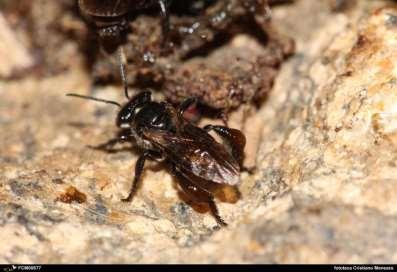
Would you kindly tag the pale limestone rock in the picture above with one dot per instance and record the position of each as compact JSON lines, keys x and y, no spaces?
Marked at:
{"x":324,"y":191}
{"x":13,"y":53}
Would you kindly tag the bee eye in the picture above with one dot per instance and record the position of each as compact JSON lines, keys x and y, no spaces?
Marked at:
{"x":157,"y":120}
{"x":124,"y":117}
{"x":131,"y":109}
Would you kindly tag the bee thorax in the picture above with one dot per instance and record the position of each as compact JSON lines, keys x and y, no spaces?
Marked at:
{"x":141,"y":142}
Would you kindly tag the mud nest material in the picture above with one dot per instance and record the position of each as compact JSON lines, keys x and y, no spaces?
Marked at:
{"x":198,"y":62}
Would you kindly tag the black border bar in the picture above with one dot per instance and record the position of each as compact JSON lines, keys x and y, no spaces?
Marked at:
{"x":192,"y":268}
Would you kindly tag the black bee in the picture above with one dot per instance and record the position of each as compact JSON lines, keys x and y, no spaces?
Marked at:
{"x":192,"y":155}
{"x":110,"y":17}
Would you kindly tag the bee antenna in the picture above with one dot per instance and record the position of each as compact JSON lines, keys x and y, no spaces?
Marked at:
{"x":122,"y":61}
{"x":94,"y":99}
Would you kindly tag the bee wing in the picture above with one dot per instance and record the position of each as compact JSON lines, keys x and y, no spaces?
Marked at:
{"x":104,"y":8}
{"x":195,"y":151}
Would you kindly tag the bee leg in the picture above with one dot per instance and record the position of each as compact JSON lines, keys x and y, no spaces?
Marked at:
{"x":225,"y":118}
{"x":107,"y":145}
{"x":215,"y":213}
{"x":187,"y":103}
{"x":138,"y":173}
{"x":123,"y":136}
{"x":184,"y":106}
{"x":166,"y":20}
{"x":199,"y":195}
{"x":233,"y":137}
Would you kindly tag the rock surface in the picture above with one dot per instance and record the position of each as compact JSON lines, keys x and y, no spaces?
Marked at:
{"x":19,"y":59}
{"x":325,"y":189}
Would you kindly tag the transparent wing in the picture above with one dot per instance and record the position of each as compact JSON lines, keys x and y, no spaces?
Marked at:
{"x":197,"y":152}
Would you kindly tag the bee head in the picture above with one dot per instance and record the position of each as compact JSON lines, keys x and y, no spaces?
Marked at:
{"x":129,"y":110}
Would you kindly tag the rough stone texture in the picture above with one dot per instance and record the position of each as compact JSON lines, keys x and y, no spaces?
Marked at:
{"x":19,"y":59}
{"x":324,"y":191}
{"x":50,"y":31}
